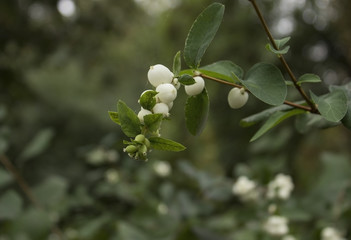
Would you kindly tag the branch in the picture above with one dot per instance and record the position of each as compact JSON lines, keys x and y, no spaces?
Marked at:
{"x":282,"y":59}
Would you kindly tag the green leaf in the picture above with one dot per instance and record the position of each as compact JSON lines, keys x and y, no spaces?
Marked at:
{"x":177,"y":64}
{"x":274,"y":120}
{"x":306,"y":122}
{"x":159,"y":143}
{"x":202,"y":33}
{"x":196,"y":112}
{"x":130,"y":123}
{"x":346,"y":121}
{"x":266,"y":82}
{"x":186,"y":79}
{"x":153,"y":121}
{"x":270,"y":48}
{"x":147,"y":99}
{"x":10,"y":205}
{"x":281,"y":42}
{"x":51,"y":192}
{"x":5,"y":178}
{"x":114,"y":117}
{"x":308,"y":78}
{"x":224,"y":68}
{"x":332,"y":106}
{"x":258,"y":117}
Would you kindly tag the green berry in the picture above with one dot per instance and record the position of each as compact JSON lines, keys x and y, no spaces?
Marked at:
{"x":131,"y":149}
{"x":140,"y":138}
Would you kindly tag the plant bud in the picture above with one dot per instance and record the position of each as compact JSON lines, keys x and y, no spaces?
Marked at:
{"x":237,"y":98}
{"x":143,"y":112}
{"x":140,"y":138}
{"x":195,"y":88}
{"x":142,"y":150}
{"x":167,"y":93}
{"x":161,"y":108}
{"x":131,"y":149}
{"x":147,"y":143}
{"x":159,"y":74}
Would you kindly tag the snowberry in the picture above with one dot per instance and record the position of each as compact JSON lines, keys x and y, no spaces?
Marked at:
{"x":170,"y":105}
{"x":176,"y":83}
{"x":143,"y":112}
{"x":276,"y":225}
{"x":166,"y":92}
{"x":237,"y":97}
{"x":161,"y":108}
{"x":159,"y":74}
{"x":195,"y":88}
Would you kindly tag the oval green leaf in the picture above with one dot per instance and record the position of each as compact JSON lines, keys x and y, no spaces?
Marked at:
{"x":196,"y":112}
{"x":114,"y":117}
{"x":153,"y":121}
{"x":130,"y":123}
{"x":202,"y":33}
{"x":159,"y":143}
{"x":224,"y":69}
{"x":266,"y":82}
{"x":186,"y":79}
{"x":309,"y":78}
{"x":177,"y":64}
{"x":332,"y":106}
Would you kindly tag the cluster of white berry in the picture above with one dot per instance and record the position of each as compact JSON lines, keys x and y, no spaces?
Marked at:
{"x":330,"y":233}
{"x":166,"y":86}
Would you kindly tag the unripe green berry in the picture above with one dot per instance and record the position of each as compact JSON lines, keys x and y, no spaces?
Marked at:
{"x":131,"y":149}
{"x":237,"y":97}
{"x":140,"y":138}
{"x":166,"y":92}
{"x":159,"y":74}
{"x":195,"y":88}
{"x":147,"y":143}
{"x":142,"y":150}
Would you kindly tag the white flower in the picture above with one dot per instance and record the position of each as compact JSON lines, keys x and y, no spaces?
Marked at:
{"x":276,"y":225}
{"x":163,"y":169}
{"x":237,"y":97}
{"x":195,"y":88}
{"x":330,"y":233}
{"x":280,"y":187}
{"x":288,"y":237}
{"x":161,"y":108}
{"x":167,"y":93}
{"x":245,"y":188}
{"x":143,"y":112}
{"x":159,"y":74}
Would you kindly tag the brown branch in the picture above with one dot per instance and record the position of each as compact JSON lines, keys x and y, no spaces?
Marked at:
{"x":282,"y":59}
{"x":26,"y":190}
{"x":240,"y":86}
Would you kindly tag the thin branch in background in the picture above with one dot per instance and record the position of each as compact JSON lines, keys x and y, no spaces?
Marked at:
{"x":26,"y":190}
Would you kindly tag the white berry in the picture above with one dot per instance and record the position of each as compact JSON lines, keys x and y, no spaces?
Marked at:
{"x":195,"y":88}
{"x":161,"y":108}
{"x":143,"y":112}
{"x":167,"y":93}
{"x":159,"y":74}
{"x":237,"y":97}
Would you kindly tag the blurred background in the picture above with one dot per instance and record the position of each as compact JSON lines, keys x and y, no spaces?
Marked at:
{"x":65,"y":63}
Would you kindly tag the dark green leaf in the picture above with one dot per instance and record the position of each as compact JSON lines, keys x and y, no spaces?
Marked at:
{"x":266,"y":82}
{"x":309,"y":78}
{"x":159,"y":143}
{"x":306,"y":122}
{"x":114,"y":117}
{"x":270,"y":48}
{"x":332,"y":106}
{"x":147,"y":99}
{"x":177,"y":64}
{"x":5,"y":178}
{"x":225,"y":68}
{"x":258,"y":117}
{"x":346,"y":121}
{"x":10,"y":205}
{"x":196,"y":112}
{"x":130,"y":123}
{"x":153,"y":121}
{"x":186,"y":79}
{"x":202,"y":33}
{"x":274,"y":120}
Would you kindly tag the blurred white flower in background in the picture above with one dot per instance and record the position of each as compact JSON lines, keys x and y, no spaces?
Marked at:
{"x":276,"y":225}
{"x":245,"y":188}
{"x":112,"y":175}
{"x":163,"y":169}
{"x":288,"y":237}
{"x":330,"y":233}
{"x":281,"y":187}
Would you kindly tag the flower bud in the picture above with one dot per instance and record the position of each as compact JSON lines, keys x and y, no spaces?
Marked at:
{"x":143,"y":112}
{"x":159,"y":74}
{"x":195,"y":88}
{"x":140,"y":138}
{"x":167,"y":93}
{"x":161,"y":108}
{"x":237,"y":98}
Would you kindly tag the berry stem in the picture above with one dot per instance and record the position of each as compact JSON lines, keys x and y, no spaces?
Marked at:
{"x":282,"y":59}
{"x":306,"y":108}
